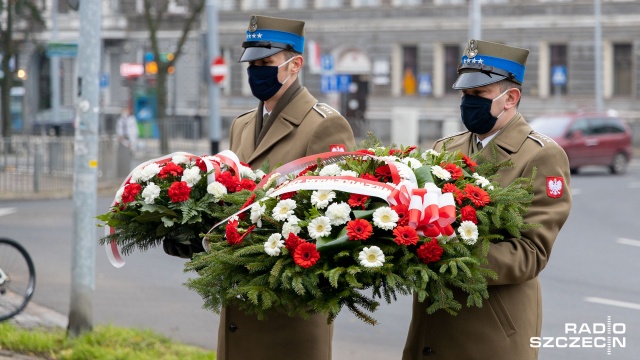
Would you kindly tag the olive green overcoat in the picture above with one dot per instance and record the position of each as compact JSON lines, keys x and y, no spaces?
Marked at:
{"x":502,"y":328}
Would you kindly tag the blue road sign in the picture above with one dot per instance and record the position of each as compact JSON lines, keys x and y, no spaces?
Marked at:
{"x":327,"y":63}
{"x":559,"y":75}
{"x":424,"y":84}
{"x":335,"y":83}
{"x":104,"y":80}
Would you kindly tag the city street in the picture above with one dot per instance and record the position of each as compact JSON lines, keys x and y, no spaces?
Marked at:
{"x":593,"y":277}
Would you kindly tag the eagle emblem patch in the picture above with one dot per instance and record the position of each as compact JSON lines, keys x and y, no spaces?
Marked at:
{"x":555,"y":186}
{"x":338,"y":148}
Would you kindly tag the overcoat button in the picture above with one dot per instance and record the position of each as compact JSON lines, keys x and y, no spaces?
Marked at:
{"x":233,"y":327}
{"x":426,"y":351}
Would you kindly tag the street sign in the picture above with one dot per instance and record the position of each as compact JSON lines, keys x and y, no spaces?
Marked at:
{"x":424,"y":84}
{"x":559,"y":75}
{"x":104,"y":80}
{"x":335,"y":83}
{"x":327,"y":63}
{"x":218,"y":70}
{"x":131,"y":70}
{"x":62,"y":50}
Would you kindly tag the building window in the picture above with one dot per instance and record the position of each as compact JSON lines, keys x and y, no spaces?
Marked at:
{"x":449,"y":2}
{"x":558,"y":57}
{"x":293,"y":4}
{"x":409,"y":70}
{"x":326,"y":4}
{"x":622,"y":69}
{"x":452,"y":57}
{"x":399,"y":3}
{"x":365,"y":3}
{"x":255,"y":4}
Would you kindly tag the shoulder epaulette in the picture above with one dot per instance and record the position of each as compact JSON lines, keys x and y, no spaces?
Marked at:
{"x":325,"y":110}
{"x":540,"y":138}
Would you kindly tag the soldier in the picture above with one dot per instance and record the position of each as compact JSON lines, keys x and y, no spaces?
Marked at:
{"x":288,"y":124}
{"x":490,"y":77}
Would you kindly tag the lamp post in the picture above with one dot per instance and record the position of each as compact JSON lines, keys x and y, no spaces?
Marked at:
{"x":598,"y":55}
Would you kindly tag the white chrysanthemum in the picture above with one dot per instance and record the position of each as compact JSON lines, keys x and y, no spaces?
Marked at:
{"x":330,"y":170}
{"x":319,"y":227}
{"x":371,"y":257}
{"x":412,"y":163}
{"x":482,"y":181}
{"x":150,"y":193}
{"x":273,"y":244}
{"x":149,"y":171}
{"x":321,"y":198}
{"x":246,"y":172}
{"x":338,"y":213}
{"x":385,"y":218}
{"x":119,"y":194}
{"x":291,"y":227}
{"x":348,"y":173}
{"x":440,"y":172}
{"x":136,"y":174}
{"x":191,"y":176}
{"x":180,"y":159}
{"x":468,"y":232}
{"x":284,"y":209}
{"x":217,"y":190}
{"x":256,"y":214}
{"x":428,"y":153}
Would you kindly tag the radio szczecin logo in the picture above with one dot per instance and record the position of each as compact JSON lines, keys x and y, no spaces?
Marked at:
{"x":607,"y":336}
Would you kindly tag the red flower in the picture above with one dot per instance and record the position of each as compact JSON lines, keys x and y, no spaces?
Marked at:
{"x":365,"y":151}
{"x":384,"y":172}
{"x":306,"y":255}
{"x":359,"y":229}
{"x":431,"y":230}
{"x":395,"y":151}
{"x":179,"y":191}
{"x":453,"y":169}
{"x":410,"y":149}
{"x":403,"y":214}
{"x":231,"y":232}
{"x":292,"y":242}
{"x":430,"y":252}
{"x":470,"y":163}
{"x":246,"y":184}
{"x":477,"y":195}
{"x":200,"y":163}
{"x":226,"y":179}
{"x":405,"y":235}
{"x":311,"y":167}
{"x":246,"y":203}
{"x":451,"y":188}
{"x":288,"y":195}
{"x":172,"y":169}
{"x":469,"y":213}
{"x":130,"y":192}
{"x":356,"y":200}
{"x":368,"y":176}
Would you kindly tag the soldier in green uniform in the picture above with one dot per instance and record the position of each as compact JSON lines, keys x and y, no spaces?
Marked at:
{"x":288,"y":124}
{"x":491,"y":77}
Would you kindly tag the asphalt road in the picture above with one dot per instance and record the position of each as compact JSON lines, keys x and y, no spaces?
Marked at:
{"x":593,"y":276}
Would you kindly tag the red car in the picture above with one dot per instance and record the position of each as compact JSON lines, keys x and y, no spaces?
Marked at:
{"x":589,"y":139}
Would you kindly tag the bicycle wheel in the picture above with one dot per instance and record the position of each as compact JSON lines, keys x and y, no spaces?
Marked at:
{"x":17,"y":278}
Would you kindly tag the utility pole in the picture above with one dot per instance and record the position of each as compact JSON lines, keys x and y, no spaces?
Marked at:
{"x":54,"y":67}
{"x":475,"y":19}
{"x":85,"y":171}
{"x":215,"y":128}
{"x":598,"y":54}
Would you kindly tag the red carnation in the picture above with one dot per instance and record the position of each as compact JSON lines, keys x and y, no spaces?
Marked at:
{"x":430,"y":252}
{"x":311,"y":167}
{"x":225,"y":178}
{"x":405,"y":235}
{"x":172,"y":169}
{"x":451,"y":188}
{"x":179,"y":191}
{"x":477,"y":195}
{"x":200,"y":163}
{"x":130,"y":192}
{"x":246,"y":184}
{"x":306,"y":255}
{"x":403,"y":214}
{"x":292,"y":242}
{"x":367,"y":176}
{"x":453,"y":169}
{"x":470,"y":163}
{"x":359,"y":229}
{"x":356,"y":200}
{"x":384,"y":172}
{"x":288,"y":195}
{"x":233,"y":235}
{"x":469,"y":213}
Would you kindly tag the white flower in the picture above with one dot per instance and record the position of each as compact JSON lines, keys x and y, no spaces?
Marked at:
{"x":468,"y":232}
{"x":319,"y":227}
{"x":440,"y":172}
{"x":389,"y":158}
{"x":338,"y":213}
{"x":321,"y":198}
{"x":412,"y":163}
{"x":273,"y":244}
{"x":217,"y":190}
{"x":371,"y":257}
{"x":150,"y":171}
{"x":291,"y":226}
{"x":260,"y":174}
{"x":482,"y":181}
{"x":191,"y":176}
{"x":284,"y":209}
{"x":429,"y":152}
{"x":246,"y":172}
{"x":136,"y":175}
{"x":330,"y":170}
{"x":119,"y":194}
{"x":180,"y":159}
{"x":150,"y":193}
{"x":348,"y":173}
{"x":385,"y":218}
{"x":256,"y":214}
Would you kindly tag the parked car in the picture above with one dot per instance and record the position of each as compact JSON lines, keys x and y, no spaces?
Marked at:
{"x":589,"y":139}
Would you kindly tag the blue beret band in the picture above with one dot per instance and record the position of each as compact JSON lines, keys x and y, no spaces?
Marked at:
{"x":513,"y":67}
{"x":275,"y":36}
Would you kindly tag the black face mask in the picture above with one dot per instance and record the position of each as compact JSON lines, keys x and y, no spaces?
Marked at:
{"x":263,"y":80}
{"x":476,"y":113}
